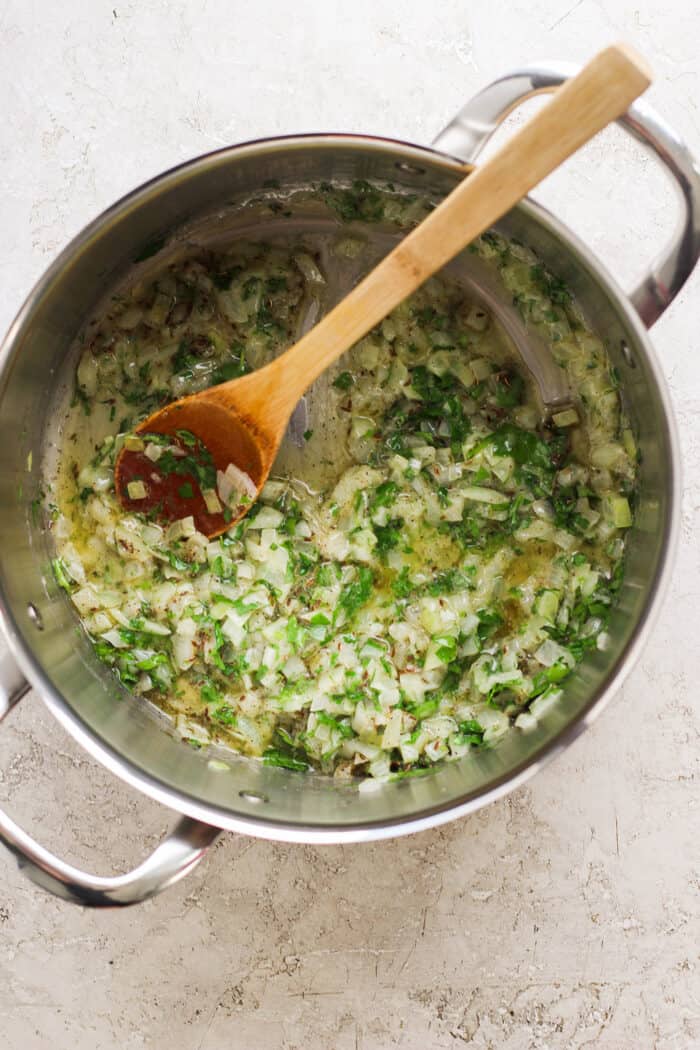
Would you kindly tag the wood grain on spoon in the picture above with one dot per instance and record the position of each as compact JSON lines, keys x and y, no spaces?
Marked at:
{"x":243,"y":421}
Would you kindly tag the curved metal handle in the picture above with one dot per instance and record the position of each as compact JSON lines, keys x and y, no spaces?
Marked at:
{"x":181,"y":851}
{"x":466,"y":135}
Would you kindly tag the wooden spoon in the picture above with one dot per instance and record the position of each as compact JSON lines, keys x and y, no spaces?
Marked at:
{"x":243,"y":421}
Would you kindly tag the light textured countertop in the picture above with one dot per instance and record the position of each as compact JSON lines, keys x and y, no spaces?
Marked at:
{"x":563,"y":917}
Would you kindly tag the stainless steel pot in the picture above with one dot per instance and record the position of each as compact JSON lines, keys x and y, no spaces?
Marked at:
{"x":48,"y":651}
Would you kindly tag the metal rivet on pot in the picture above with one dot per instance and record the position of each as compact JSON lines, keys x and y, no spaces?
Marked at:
{"x":628,"y":355}
{"x":253,"y":796}
{"x":35,"y":616}
{"x":410,"y":169}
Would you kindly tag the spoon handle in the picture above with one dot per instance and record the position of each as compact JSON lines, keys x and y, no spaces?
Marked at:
{"x":600,"y":93}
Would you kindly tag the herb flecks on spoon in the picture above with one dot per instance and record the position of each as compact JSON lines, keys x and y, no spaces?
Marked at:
{"x":173,"y":477}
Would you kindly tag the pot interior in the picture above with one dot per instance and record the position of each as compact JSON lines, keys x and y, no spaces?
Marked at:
{"x":219,"y":199}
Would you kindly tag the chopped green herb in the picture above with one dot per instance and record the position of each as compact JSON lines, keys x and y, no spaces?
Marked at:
{"x":61,"y":574}
{"x":344,"y":381}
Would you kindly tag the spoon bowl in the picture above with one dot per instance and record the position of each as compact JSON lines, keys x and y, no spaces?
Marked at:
{"x":208,"y":433}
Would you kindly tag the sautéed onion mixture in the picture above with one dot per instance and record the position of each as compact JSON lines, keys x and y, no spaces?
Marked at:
{"x":428,"y":595}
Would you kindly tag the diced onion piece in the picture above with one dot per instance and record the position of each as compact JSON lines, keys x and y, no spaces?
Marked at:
{"x":98,"y":624}
{"x":567,"y":418}
{"x":464,"y":372}
{"x":608,"y":456}
{"x":211,"y":501}
{"x":481,"y":369}
{"x":440,"y":362}
{"x":621,"y":513}
{"x":152,"y":534}
{"x":368,"y":351}
{"x":380,"y":769}
{"x":308,"y":268}
{"x":136,"y":490}
{"x":114,"y":638}
{"x":272,"y":490}
{"x":438,"y":338}
{"x":414,"y":685}
{"x":543,"y":509}
{"x":495,"y":724}
{"x":526,"y":722}
{"x":388,"y":329}
{"x":482,"y":495}
{"x":363,"y":427}
{"x":152,"y":627}
{"x":153,"y":451}
{"x":134,"y":443}
{"x":181,"y":529}
{"x":536,"y":530}
{"x":566,"y":540}
{"x":86,"y":599}
{"x":266,"y":518}
{"x":233,"y":481}
{"x":184,"y":646}
{"x":550,"y":653}
{"x":547,"y":605}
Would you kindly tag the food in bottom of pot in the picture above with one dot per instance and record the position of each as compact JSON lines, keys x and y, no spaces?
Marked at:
{"x":419,"y":582}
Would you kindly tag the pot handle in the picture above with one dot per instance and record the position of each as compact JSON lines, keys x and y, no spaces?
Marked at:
{"x":466,"y":135}
{"x":174,"y":858}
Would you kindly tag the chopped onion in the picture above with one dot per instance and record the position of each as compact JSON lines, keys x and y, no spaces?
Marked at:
{"x":180,"y":529}
{"x":153,"y":451}
{"x":136,"y":490}
{"x":308,"y":268}
{"x":409,"y":614}
{"x":234,"y":481}
{"x":481,"y":369}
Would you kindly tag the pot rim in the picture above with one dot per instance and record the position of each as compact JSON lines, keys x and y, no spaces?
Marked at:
{"x":436,"y":815}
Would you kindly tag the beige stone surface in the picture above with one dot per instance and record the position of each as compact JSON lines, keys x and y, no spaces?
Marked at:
{"x":563,"y":917}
